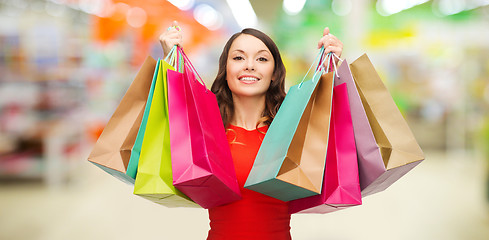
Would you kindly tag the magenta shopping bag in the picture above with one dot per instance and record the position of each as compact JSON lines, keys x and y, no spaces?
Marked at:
{"x":202,"y":164}
{"x":341,"y":187}
{"x":370,"y":163}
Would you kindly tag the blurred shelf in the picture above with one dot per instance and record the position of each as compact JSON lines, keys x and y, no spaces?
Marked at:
{"x":21,"y":166}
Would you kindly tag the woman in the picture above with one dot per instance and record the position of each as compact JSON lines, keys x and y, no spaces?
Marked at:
{"x":250,"y":87}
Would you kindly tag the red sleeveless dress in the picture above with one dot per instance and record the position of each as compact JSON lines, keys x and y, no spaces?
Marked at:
{"x":255,"y":216}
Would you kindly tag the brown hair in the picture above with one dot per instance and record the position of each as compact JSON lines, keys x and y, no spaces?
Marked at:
{"x":275,"y":93}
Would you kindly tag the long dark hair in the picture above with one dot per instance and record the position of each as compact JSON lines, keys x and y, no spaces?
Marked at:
{"x":275,"y":93}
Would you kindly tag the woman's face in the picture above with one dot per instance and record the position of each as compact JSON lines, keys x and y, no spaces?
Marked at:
{"x":250,"y":66}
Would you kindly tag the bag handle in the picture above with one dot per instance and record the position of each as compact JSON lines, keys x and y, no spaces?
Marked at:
{"x":331,"y":61}
{"x":187,"y":62}
{"x":175,"y":59}
{"x":319,"y":67}
{"x":170,"y":58}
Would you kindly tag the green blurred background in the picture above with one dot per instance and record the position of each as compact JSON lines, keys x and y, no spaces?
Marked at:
{"x":65,"y":64}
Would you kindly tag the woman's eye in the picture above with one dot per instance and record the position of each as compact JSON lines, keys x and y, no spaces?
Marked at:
{"x":262,"y":59}
{"x":238,"y":58}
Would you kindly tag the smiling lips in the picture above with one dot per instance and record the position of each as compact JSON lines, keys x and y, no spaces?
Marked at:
{"x":248,"y":79}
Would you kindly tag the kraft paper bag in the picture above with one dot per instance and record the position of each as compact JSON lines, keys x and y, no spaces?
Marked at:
{"x":370,"y":163}
{"x":203,"y":168}
{"x":154,"y":179}
{"x":112,"y":150}
{"x":290,"y":162}
{"x":341,"y":186}
{"x":398,"y":146}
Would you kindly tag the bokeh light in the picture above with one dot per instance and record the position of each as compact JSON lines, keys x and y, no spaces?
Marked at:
{"x":136,"y":17}
{"x":208,"y":16}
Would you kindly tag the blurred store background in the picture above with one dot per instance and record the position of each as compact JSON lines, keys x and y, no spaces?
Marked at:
{"x":65,"y":64}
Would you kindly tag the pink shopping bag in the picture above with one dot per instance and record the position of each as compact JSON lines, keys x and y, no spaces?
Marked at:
{"x":202,"y":165}
{"x":370,"y":163}
{"x":341,"y":187}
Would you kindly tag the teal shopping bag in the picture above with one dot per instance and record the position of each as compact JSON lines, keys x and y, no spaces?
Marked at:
{"x":136,"y":149}
{"x":290,"y":162}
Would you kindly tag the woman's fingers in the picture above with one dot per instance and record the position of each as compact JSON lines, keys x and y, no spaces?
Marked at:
{"x":175,"y":24}
{"x":326,"y":31}
{"x":334,"y":49}
{"x":331,"y":43}
{"x":171,"y":37}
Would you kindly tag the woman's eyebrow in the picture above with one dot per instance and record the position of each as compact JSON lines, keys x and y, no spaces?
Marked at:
{"x":264,"y":50}
{"x":238,"y":50}
{"x":242,"y":51}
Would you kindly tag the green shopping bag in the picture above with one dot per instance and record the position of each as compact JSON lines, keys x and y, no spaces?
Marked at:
{"x":154,"y":175}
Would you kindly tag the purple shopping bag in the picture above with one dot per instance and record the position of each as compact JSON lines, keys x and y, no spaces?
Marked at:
{"x":370,"y":163}
{"x":202,"y":164}
{"x":341,"y":187}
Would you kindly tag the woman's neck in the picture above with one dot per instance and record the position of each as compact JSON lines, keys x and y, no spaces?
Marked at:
{"x":248,"y":111}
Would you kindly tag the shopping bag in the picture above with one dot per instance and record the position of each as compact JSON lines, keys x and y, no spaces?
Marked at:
{"x":290,"y":162}
{"x":112,"y":150}
{"x":370,"y":163}
{"x":202,"y":164}
{"x":154,"y":176}
{"x":136,"y":149}
{"x":341,"y":186}
{"x":398,"y":146}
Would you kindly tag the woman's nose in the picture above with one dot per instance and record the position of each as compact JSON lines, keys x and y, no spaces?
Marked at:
{"x":250,"y":65}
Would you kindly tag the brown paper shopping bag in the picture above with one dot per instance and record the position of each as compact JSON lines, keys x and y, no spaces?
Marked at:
{"x":112,"y":150}
{"x":307,"y":152}
{"x":399,"y":149}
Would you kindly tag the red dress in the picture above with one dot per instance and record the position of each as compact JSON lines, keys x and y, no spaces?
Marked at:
{"x":255,"y":216}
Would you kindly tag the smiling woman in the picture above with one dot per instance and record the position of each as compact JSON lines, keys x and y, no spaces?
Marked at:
{"x":249,"y":87}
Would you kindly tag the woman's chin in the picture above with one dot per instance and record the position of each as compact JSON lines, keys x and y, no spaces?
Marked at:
{"x":248,"y":93}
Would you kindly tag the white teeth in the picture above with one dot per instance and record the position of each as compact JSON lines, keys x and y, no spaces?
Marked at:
{"x":249,"y":79}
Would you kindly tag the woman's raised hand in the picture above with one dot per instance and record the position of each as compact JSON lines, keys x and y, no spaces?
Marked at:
{"x":171,"y":37}
{"x":330,"y":43}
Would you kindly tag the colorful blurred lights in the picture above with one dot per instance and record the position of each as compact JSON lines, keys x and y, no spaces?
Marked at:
{"x":118,"y":11}
{"x":293,"y":7}
{"x":136,"y":17}
{"x":91,"y":6}
{"x":243,"y":13}
{"x":389,"y":7}
{"x":341,"y":7}
{"x":450,"y":7}
{"x":182,"y":4}
{"x":444,"y":7}
{"x":208,"y":16}
{"x":54,"y":9}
